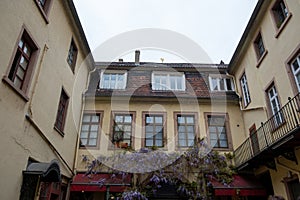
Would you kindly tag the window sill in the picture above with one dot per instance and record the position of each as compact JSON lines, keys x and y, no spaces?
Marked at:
{"x":17,"y":90}
{"x":59,"y":131}
{"x":261,"y":59}
{"x":282,"y":26}
{"x":89,"y":147}
{"x":42,"y":11}
{"x":223,"y":149}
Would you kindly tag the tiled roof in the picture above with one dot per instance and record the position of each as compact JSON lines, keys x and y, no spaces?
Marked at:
{"x":139,"y":81}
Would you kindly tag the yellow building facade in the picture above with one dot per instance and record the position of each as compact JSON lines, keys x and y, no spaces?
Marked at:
{"x":44,"y":71}
{"x":265,"y":66}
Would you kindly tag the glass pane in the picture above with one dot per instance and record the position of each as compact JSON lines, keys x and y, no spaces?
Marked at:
{"x":191,"y":136}
{"x":228,"y":84}
{"x":181,"y":136}
{"x":223,"y":137}
{"x":182,"y":143}
{"x":214,"y":83}
{"x":223,"y":144}
{"x":86,"y":118}
{"x":181,"y":128}
{"x":213,"y":143}
{"x":221,"y":130}
{"x":190,"y":129}
{"x":127,"y":135}
{"x":95,"y":118}
{"x":85,"y":127}
{"x":149,"y":135}
{"x":158,"y":120}
{"x":84,"y":134}
{"x":173,"y":82}
{"x":158,"y":129}
{"x":222,"y":84}
{"x":21,"y":43}
{"x":127,"y":119}
{"x":149,"y":143}
{"x":83,"y":141}
{"x":212,"y":129}
{"x":149,"y":120}
{"x":159,"y":135}
{"x":93,"y":142}
{"x":127,"y":128}
{"x":213,"y":136}
{"x":190,"y":120}
{"x":20,"y":73}
{"x":93,"y":134}
{"x":180,"y":120}
{"x":295,"y":65}
{"x":149,"y":129}
{"x":179,"y":83}
{"x":159,"y":143}
{"x":27,"y":50}
{"x":118,"y":118}
{"x":94,"y":128}
{"x":23,"y":63}
{"x":190,"y":143}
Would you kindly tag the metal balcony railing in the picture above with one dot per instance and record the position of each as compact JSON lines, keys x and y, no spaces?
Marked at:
{"x":282,"y":123}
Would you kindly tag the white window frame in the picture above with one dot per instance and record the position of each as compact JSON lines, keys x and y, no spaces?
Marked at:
{"x":117,"y":86}
{"x":278,"y":117}
{"x":219,"y":79}
{"x":167,"y":85}
{"x":245,"y":90}
{"x":297,"y":71}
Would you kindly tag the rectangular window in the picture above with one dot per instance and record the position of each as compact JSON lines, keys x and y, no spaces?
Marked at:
{"x":122,"y":130}
{"x":22,"y":66}
{"x":245,"y":90}
{"x":113,"y":80}
{"x":154,"y":130}
{"x":62,"y":111}
{"x":90,"y":129}
{"x":221,"y":84}
{"x":275,"y":106}
{"x":72,"y":55}
{"x":44,"y":7}
{"x":217,"y":131}
{"x":168,"y":81}
{"x":186,"y":130}
{"x":295,"y":66}
{"x":259,"y":46}
{"x":280,"y":12}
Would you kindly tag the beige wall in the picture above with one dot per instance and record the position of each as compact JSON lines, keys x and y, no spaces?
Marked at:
{"x":19,"y":139}
{"x":273,"y":68}
{"x":235,"y":122}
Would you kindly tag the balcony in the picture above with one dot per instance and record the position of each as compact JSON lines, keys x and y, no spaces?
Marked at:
{"x":277,"y":136}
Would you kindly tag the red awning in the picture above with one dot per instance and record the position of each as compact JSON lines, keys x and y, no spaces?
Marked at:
{"x":241,"y":186}
{"x":100,"y":182}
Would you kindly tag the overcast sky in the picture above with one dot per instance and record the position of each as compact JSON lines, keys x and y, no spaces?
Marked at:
{"x":214,"y":25}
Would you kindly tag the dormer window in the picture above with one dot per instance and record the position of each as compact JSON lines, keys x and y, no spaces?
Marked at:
{"x":221,"y":83}
{"x":113,"y":80}
{"x":168,"y":81}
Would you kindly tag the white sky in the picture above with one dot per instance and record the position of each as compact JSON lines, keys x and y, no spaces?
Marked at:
{"x":215,"y":25}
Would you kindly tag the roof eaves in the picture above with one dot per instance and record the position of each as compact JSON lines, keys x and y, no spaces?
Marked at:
{"x":245,"y":34}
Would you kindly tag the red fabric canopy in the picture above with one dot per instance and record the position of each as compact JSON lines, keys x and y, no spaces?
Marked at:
{"x":100,"y":182}
{"x":242,"y":186}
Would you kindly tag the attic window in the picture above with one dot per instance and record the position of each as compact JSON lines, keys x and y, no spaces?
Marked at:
{"x":168,"y":81}
{"x":221,"y":84}
{"x":113,"y":80}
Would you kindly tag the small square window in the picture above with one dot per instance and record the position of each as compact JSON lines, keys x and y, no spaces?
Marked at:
{"x":62,"y":111}
{"x":259,"y":46}
{"x":72,"y":55}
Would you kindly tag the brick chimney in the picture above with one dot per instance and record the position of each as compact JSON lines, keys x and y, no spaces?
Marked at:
{"x":137,"y":57}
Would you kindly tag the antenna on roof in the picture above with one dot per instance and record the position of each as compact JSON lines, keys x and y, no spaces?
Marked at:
{"x":162,"y":60}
